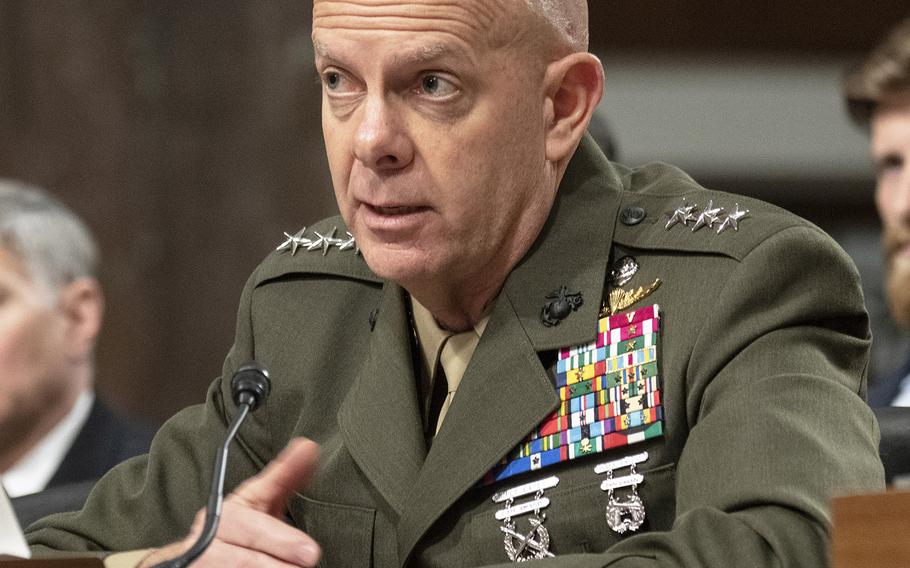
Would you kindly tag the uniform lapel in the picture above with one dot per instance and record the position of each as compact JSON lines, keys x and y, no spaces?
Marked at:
{"x":506,"y":391}
{"x":379,"y":419}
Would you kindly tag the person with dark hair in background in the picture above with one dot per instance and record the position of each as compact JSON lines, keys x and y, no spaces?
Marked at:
{"x":56,"y":437}
{"x":508,"y":348}
{"x":878,"y":98}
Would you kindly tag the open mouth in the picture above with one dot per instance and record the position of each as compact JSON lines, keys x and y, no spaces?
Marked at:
{"x":394,"y":219}
{"x":397,"y":210}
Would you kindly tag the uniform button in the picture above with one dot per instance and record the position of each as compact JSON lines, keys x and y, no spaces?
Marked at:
{"x":632,"y":215}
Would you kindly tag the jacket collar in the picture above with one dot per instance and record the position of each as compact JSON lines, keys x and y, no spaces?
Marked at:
{"x":505,"y":391}
{"x":380,"y":418}
{"x":573,"y":250}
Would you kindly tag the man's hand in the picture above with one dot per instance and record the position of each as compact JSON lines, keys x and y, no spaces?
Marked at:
{"x":252,"y":530}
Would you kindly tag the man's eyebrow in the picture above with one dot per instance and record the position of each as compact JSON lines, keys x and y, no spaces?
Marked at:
{"x":423,"y":54}
{"x":322,"y":50}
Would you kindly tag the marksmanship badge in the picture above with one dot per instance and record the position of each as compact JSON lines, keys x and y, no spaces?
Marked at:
{"x":626,"y":514}
{"x":534,"y":544}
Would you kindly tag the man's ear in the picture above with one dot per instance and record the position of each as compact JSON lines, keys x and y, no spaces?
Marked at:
{"x":82,"y":305}
{"x":574,"y":86}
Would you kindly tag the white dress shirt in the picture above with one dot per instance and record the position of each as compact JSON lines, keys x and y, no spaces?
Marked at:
{"x":34,"y":471}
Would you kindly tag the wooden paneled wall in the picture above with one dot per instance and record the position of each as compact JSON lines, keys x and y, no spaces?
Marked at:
{"x":188,"y":136}
{"x":802,"y":27}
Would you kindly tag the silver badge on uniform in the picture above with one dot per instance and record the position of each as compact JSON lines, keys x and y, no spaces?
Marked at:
{"x":521,"y":546}
{"x":623,"y":270}
{"x":625,"y":514}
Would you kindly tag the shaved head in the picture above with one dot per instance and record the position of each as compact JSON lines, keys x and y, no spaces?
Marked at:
{"x":428,"y":105}
{"x":568,"y":18}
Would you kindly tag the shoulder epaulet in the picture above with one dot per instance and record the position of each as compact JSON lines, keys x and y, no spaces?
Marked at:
{"x":326,"y":247}
{"x":663,"y":208}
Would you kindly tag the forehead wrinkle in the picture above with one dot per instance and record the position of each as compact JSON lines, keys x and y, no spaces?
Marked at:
{"x":463,"y":19}
{"x":407,"y":56}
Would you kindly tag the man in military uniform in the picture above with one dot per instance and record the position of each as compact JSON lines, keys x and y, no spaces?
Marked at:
{"x":508,"y":348}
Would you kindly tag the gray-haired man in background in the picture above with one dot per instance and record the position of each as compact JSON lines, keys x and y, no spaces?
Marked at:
{"x":56,"y":437}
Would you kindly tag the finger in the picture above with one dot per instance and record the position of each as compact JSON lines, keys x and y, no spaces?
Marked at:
{"x":222,"y":554}
{"x":271,"y":488}
{"x":162,"y":554}
{"x":256,"y":530}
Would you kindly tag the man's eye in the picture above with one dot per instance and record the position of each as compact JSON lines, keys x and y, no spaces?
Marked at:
{"x":890,"y":163}
{"x":332,"y":79}
{"x":436,"y":86}
{"x":336,"y":81}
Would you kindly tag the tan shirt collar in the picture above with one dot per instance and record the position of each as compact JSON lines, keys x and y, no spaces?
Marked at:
{"x":431,"y":338}
{"x":453,"y":351}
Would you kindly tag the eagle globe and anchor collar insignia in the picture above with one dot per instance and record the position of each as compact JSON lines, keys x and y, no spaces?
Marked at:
{"x":561,"y":303}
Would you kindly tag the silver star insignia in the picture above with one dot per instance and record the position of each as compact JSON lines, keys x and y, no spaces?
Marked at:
{"x":708,"y":217}
{"x":683,"y":214}
{"x":314,"y":244}
{"x":293,"y":242}
{"x":732,"y":219}
{"x":326,"y":241}
{"x":349,"y":243}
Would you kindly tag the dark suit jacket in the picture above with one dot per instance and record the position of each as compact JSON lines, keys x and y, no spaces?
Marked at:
{"x":105,"y":440}
{"x":885,"y":389}
{"x":764,"y":341}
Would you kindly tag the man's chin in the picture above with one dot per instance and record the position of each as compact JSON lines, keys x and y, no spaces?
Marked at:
{"x":396,"y":264}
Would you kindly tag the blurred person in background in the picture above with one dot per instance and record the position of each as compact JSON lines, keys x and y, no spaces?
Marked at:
{"x":56,"y":436}
{"x":878,"y":98}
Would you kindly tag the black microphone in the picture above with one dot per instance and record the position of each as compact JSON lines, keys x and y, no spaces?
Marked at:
{"x":250,"y":386}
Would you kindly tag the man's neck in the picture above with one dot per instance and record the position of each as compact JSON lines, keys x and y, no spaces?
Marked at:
{"x":28,"y":429}
{"x":463,"y":296}
{"x":454,"y":310}
{"x":25,"y":436}
{"x":34,"y":470}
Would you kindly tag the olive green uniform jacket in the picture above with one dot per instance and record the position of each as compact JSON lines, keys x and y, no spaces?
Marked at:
{"x":763,"y":351}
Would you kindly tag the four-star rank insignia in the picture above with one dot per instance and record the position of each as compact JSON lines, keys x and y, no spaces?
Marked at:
{"x":609,"y":392}
{"x":318,"y":242}
{"x":708,"y":217}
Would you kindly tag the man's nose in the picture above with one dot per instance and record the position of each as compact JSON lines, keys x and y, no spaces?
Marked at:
{"x":900,"y":196}
{"x":381,"y":142}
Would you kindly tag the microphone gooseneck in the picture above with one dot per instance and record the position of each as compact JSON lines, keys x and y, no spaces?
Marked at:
{"x":250,"y":386}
